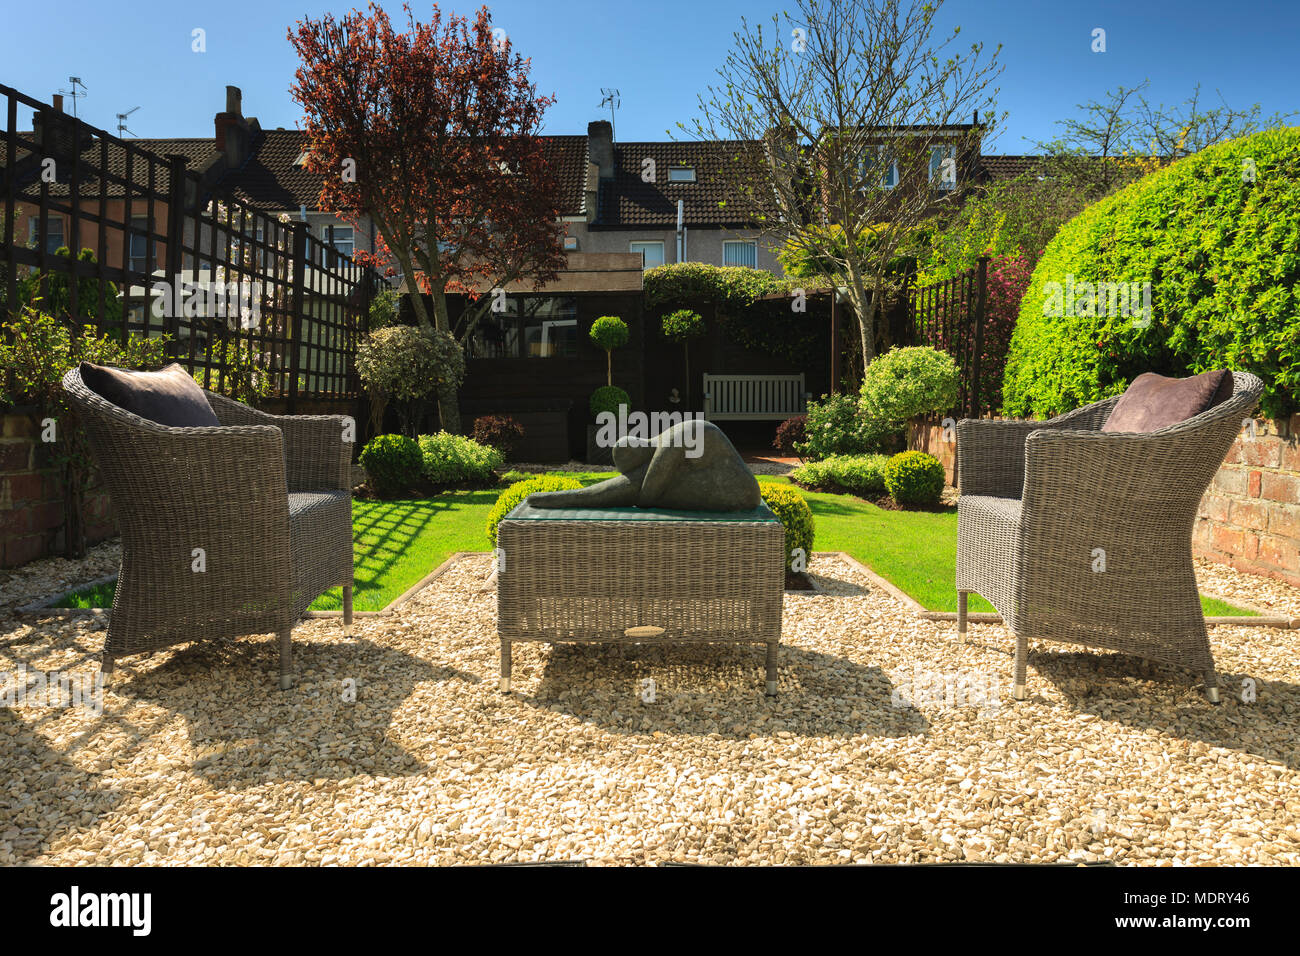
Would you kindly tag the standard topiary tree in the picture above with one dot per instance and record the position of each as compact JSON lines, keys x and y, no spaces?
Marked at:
{"x":404,"y":365}
{"x":907,"y":382}
{"x":682,"y":326}
{"x":1190,"y":268}
{"x":609,"y":332}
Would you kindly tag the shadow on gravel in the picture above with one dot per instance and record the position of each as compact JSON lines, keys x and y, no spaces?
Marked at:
{"x":1172,"y":701}
{"x":702,"y":689}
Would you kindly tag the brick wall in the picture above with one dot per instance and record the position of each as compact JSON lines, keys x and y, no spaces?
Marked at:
{"x":31,"y":502}
{"x":1250,"y":515}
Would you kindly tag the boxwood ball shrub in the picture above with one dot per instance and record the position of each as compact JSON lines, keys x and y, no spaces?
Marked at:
{"x":914,"y":478}
{"x":859,"y":474}
{"x":796,"y":518}
{"x":608,"y":398}
{"x":500,"y":431}
{"x":393,"y":464}
{"x":907,"y":382}
{"x":454,"y":459}
{"x":521,"y":490}
{"x":1217,"y":236}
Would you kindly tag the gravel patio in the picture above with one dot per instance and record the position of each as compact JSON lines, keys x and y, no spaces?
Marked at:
{"x":199,"y":758}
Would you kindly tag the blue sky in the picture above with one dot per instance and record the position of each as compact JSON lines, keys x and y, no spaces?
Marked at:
{"x":659,"y":53}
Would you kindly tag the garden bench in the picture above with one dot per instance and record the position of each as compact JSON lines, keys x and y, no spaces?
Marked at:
{"x":640,"y":576}
{"x":753,"y":397}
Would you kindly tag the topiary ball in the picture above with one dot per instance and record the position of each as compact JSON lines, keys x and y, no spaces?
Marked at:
{"x":914,"y":478}
{"x":796,"y":517}
{"x":521,"y":490}
{"x":393,"y":464}
{"x":608,"y":398}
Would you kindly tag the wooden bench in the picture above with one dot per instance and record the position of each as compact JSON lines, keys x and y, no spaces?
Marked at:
{"x":753,"y":397}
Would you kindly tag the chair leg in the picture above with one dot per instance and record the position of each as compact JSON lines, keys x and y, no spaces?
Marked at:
{"x":286,"y":660}
{"x":1212,"y":686}
{"x":504,"y":684}
{"x":771,"y":668}
{"x":961,"y":616}
{"x":106,"y":662}
{"x":347,"y":610}
{"x":1022,"y":661}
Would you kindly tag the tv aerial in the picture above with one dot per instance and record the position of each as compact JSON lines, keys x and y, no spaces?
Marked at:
{"x":74,"y":82}
{"x":121,"y":122}
{"x":612,"y":99}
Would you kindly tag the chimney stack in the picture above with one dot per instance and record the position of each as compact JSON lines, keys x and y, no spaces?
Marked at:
{"x":58,"y":102}
{"x":233,"y":136}
{"x":600,"y":146}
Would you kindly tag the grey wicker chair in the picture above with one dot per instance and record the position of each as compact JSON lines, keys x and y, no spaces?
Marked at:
{"x":1038,"y":499}
{"x":267,"y":499}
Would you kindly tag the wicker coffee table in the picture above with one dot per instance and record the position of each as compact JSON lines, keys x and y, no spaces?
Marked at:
{"x":640,"y":576}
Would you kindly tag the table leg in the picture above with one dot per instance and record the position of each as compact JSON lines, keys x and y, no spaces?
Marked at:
{"x":505,"y":666}
{"x":771,"y":668}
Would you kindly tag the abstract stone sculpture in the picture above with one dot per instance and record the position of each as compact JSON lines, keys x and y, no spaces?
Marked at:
{"x":691,"y":466}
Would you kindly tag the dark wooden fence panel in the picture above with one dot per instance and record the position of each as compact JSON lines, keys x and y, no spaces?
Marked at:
{"x":949,"y":316}
{"x":233,"y":287}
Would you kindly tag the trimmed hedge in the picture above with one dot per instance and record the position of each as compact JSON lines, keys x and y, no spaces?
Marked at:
{"x":454,"y":459}
{"x":1217,"y":236}
{"x":392,"y":463}
{"x":906,"y":382}
{"x":858,"y":474}
{"x":796,"y":517}
{"x":521,"y":490}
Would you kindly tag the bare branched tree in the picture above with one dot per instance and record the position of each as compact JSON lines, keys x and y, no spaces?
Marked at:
{"x":849,"y":123}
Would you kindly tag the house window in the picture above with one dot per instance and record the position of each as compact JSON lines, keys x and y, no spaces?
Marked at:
{"x":652,"y":253}
{"x":53,"y":232}
{"x":943,"y":167}
{"x":138,"y":260}
{"x":880,"y":167}
{"x":681,"y":174}
{"x":534,"y":326}
{"x":343,"y":238}
{"x":740,"y":252}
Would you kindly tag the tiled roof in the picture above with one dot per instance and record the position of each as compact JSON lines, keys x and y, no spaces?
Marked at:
{"x":628,"y":200}
{"x":568,"y":156}
{"x":1008,"y":167}
{"x":198,"y":152}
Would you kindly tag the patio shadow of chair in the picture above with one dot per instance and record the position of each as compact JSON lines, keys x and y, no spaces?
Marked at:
{"x":317,"y":733}
{"x":1109,"y":686}
{"x":703,"y":689}
{"x":81,"y":795}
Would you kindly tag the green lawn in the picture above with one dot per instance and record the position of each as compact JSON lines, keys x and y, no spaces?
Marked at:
{"x":399,"y":542}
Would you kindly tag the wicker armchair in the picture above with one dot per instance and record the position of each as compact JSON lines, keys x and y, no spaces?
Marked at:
{"x":1038,"y":499}
{"x":267,"y":499}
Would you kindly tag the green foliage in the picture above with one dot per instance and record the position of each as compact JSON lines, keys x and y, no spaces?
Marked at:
{"x":1217,"y":235}
{"x":729,"y":289}
{"x":907,"y":382}
{"x":393,"y":463}
{"x":454,"y":459}
{"x":796,"y":517}
{"x":812,"y":253}
{"x":608,"y":398}
{"x":836,"y":426}
{"x":247,"y":377}
{"x":37,"y":350}
{"x":384,"y":308}
{"x":404,"y":365}
{"x":682,"y":325}
{"x":52,"y":295}
{"x":609,"y":332}
{"x":518,"y":492}
{"x":914,"y":478}
{"x":859,"y":474}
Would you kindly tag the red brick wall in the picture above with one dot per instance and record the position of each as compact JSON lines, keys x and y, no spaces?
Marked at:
{"x":31,"y":502}
{"x":1250,"y":515}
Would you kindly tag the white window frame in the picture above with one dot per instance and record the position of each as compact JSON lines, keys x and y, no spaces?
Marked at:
{"x":688,"y":174}
{"x":34,"y":228}
{"x":633,"y":243}
{"x":752,"y":243}
{"x":944,"y":151}
{"x":350,"y":242}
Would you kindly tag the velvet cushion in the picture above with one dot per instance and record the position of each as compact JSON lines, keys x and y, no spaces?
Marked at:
{"x":1154,"y":402}
{"x":168,"y":397}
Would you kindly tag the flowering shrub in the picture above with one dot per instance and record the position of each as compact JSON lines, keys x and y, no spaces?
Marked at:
{"x":500,"y":431}
{"x":836,"y":426}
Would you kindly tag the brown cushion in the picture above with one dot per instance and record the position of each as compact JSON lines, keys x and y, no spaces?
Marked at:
{"x":1153,"y":401}
{"x":168,"y":397}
